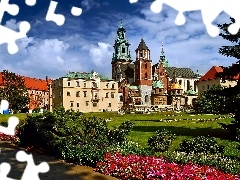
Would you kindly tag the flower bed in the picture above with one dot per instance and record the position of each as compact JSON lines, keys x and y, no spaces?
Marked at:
{"x":133,"y":167}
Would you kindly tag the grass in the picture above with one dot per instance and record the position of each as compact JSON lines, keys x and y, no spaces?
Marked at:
{"x":145,"y":125}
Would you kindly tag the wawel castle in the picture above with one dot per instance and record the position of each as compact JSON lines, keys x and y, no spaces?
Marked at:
{"x":134,"y":84}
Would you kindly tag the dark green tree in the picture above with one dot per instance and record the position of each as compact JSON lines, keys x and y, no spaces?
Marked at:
{"x":231,"y":73}
{"x":210,"y":102}
{"x":14,"y":90}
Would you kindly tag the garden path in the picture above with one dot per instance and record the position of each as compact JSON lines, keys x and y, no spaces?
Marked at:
{"x":58,"y":170}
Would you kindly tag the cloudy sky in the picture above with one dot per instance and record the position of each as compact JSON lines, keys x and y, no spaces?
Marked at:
{"x":84,"y":43}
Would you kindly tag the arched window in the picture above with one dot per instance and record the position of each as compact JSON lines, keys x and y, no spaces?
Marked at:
{"x":146,"y":76}
{"x":146,"y":98}
{"x":180,"y":82}
{"x":146,"y":66}
{"x":188,"y":84}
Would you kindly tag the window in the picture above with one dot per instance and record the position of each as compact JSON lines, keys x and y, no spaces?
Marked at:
{"x":112,"y":95}
{"x":109,"y":104}
{"x":85,"y":84}
{"x":94,"y":85}
{"x":112,"y":86}
{"x":107,"y":95}
{"x":71,"y":103}
{"x":77,"y":84}
{"x":53,"y":95}
{"x":69,"y":83}
{"x":180,"y":82}
{"x":84,"y":93}
{"x":78,"y":94}
{"x":146,"y":76}
{"x":202,"y":87}
{"x":107,"y":85}
{"x":141,"y":55}
{"x":77,"y":104}
{"x":121,"y":98}
{"x":87,"y":103}
{"x":94,"y":104}
{"x":146,"y":66}
{"x":123,"y":50}
{"x":68,"y":93}
{"x":208,"y":87}
{"x":146,"y":98}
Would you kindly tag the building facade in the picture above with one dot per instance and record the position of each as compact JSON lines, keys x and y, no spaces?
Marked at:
{"x":38,"y":90}
{"x":150,"y":83}
{"x":209,"y":80}
{"x":85,"y":92}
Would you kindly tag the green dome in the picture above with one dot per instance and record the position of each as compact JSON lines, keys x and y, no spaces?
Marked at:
{"x":157,"y":84}
{"x":191,"y":92}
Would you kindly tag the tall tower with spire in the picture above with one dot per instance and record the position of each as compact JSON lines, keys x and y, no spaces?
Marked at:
{"x":143,"y":72}
{"x":163,"y":59}
{"x":121,"y":54}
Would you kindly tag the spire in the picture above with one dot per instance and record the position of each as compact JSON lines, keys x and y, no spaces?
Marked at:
{"x":142,"y":45}
{"x":163,"y":59}
{"x":121,"y":25}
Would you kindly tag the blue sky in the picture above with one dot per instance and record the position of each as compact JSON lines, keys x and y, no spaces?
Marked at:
{"x":84,"y":43}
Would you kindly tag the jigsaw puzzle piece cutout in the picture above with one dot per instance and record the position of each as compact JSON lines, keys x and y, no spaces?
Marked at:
{"x":30,"y":2}
{"x":4,"y":105}
{"x":4,"y":171}
{"x":12,"y":9}
{"x":75,"y":11}
{"x":31,"y":171}
{"x":9,"y":36}
{"x":231,"y":7}
{"x":59,"y":19}
{"x":12,"y":124}
{"x":133,"y":1}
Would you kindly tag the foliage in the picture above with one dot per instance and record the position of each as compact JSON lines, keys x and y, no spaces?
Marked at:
{"x":133,"y":167}
{"x":230,"y":72}
{"x":201,"y":144}
{"x":161,"y":141}
{"x":221,"y":162}
{"x":210,"y":101}
{"x":71,"y":136}
{"x":14,"y":91}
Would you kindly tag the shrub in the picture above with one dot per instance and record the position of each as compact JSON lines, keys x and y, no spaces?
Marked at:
{"x":221,"y":162}
{"x":161,"y":141}
{"x":71,"y":136}
{"x":201,"y":144}
{"x":133,"y":167}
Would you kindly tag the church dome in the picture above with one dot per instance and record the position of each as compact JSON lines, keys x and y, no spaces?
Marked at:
{"x":175,"y":86}
{"x":157,"y":84}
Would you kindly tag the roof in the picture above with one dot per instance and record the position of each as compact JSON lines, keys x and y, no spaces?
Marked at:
{"x":142,"y":45}
{"x":181,"y":72}
{"x":212,"y":72}
{"x":33,"y":83}
{"x":84,"y":75}
{"x":157,"y":84}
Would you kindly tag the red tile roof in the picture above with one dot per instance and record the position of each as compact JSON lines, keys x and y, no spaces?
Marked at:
{"x":212,"y":72}
{"x":33,"y":83}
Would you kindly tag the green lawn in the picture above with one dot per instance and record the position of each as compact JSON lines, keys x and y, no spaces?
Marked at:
{"x":147,"y":124}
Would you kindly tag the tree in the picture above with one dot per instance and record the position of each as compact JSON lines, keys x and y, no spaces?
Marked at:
{"x":14,"y":90}
{"x":210,"y":102}
{"x":230,"y":72}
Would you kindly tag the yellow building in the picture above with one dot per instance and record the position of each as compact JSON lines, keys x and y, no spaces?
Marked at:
{"x":85,"y":92}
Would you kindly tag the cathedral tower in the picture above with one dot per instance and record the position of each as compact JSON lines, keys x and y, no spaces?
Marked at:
{"x":163,"y":59}
{"x":143,"y":72}
{"x":121,"y":56}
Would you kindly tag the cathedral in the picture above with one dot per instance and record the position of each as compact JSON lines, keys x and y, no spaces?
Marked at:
{"x":146,"y":84}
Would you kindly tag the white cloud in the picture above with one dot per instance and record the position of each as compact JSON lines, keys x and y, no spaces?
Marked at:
{"x":88,"y":4}
{"x":101,"y":54}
